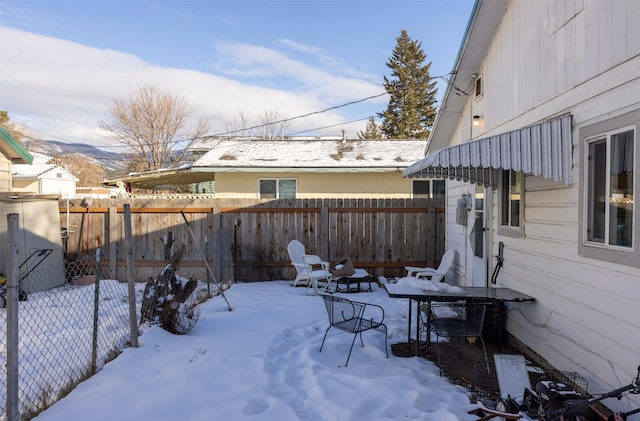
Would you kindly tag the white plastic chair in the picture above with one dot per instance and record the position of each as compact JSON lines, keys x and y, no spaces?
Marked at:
{"x":303,"y":264}
{"x":296,"y":252}
{"x":435,"y":275}
{"x":317,"y":271}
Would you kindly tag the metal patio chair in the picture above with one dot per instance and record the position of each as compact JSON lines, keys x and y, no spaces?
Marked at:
{"x":349,"y":316}
{"x":460,"y":320}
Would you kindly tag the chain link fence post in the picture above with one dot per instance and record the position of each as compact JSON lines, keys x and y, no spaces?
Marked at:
{"x":13,"y":286}
{"x":133,"y":322}
{"x":96,"y":312}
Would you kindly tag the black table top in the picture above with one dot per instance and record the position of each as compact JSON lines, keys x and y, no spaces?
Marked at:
{"x":466,"y":293}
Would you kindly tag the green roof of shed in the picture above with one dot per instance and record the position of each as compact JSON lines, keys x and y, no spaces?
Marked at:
{"x":14,"y":150}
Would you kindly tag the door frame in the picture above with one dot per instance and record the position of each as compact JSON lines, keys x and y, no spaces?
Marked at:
{"x":480,"y":266}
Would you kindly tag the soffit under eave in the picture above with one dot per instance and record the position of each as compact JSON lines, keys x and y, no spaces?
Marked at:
{"x":473,"y":49}
{"x":306,"y":169}
{"x":154,"y":180}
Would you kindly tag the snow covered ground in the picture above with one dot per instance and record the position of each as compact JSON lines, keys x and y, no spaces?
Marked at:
{"x":261,"y":361}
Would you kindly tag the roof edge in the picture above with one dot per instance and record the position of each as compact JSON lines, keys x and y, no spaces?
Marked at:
{"x":21,"y":152}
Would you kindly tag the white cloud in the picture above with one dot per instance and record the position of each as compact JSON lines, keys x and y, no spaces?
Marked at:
{"x":63,"y":88}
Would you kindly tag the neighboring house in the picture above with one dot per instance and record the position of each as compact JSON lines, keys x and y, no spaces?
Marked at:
{"x":95,"y":193}
{"x":544,"y":147}
{"x":44,"y":179}
{"x":300,"y":169}
{"x":39,"y":225}
{"x":11,"y":152}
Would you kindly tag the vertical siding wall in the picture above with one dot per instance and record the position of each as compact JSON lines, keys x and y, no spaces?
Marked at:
{"x":550,"y":58}
{"x":5,"y":174}
{"x":250,"y":237}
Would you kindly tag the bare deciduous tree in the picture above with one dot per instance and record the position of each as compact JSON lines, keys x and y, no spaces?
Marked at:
{"x":271,"y":125}
{"x":238,"y":127}
{"x":155,"y":126}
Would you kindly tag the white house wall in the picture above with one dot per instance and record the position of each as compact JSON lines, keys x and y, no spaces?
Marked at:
{"x":549,"y":58}
{"x":65,"y":188}
{"x":5,"y":174}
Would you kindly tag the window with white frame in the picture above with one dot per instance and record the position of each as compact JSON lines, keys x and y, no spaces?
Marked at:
{"x":608,"y":228}
{"x":511,"y":199}
{"x":610,"y":188}
{"x":277,"y":188}
{"x":428,"y":189}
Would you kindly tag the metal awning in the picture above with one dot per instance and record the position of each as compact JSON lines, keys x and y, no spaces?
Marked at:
{"x":542,"y":150}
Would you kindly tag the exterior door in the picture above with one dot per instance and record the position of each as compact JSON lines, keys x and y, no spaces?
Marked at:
{"x":479,"y":238}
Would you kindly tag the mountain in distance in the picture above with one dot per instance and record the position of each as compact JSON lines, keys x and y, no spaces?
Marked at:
{"x":112,"y":162}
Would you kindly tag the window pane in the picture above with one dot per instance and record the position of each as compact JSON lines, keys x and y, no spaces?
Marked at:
{"x":504,"y":203}
{"x":511,"y":192}
{"x":286,"y":189}
{"x":514,"y":198}
{"x":267,"y":189}
{"x":438,"y":189}
{"x":597,"y":185}
{"x":621,"y":190}
{"x":421,"y":189}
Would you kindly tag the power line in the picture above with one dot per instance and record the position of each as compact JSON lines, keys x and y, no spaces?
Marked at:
{"x":443,"y":77}
{"x":295,"y":118}
{"x":39,"y":131}
{"x":328,"y":127}
{"x":239,"y":130}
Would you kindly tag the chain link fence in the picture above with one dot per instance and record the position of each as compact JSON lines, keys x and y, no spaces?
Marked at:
{"x":66,"y":333}
{"x":68,"y":321}
{"x":69,"y":332}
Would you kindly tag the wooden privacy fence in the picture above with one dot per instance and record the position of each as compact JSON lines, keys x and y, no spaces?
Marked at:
{"x":246,"y":240}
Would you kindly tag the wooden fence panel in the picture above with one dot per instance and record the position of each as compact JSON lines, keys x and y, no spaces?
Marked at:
{"x":247,"y":239}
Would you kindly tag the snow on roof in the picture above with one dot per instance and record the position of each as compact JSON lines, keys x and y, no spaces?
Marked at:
{"x":26,"y":170}
{"x":30,"y":171}
{"x":313,"y":154}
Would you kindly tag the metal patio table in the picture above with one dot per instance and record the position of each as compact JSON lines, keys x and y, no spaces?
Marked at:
{"x":497,"y":295}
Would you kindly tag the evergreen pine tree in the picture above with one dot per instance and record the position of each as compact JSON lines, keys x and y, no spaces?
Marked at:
{"x":372,"y":131}
{"x":411,"y":111}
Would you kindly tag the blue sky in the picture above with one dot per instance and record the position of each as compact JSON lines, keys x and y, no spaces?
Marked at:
{"x":64,"y":62}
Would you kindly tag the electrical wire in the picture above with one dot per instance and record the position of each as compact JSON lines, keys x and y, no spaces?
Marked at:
{"x":328,"y":127}
{"x":284,"y":120}
{"x":235,"y":131}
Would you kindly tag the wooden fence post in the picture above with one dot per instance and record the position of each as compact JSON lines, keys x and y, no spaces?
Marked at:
{"x":112,"y":241}
{"x":133,"y":322}
{"x":324,"y":230}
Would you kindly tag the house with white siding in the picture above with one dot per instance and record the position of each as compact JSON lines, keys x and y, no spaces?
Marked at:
{"x":44,"y":179}
{"x":538,"y":133}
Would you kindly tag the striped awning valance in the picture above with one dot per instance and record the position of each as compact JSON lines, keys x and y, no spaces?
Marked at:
{"x":543,"y":149}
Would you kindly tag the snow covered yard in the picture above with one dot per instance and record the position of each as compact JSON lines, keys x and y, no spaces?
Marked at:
{"x":55,"y":330}
{"x":261,"y":361}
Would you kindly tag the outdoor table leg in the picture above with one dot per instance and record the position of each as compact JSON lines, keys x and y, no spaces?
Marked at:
{"x":417,"y":328}
{"x":500,"y":324}
{"x":409,"y":322}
